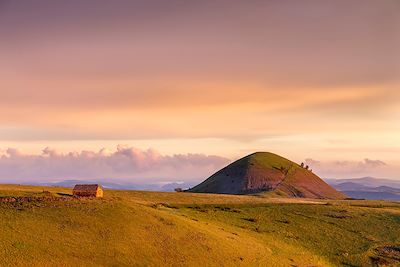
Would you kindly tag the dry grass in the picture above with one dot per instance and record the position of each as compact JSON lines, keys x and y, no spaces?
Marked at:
{"x":132,"y":228}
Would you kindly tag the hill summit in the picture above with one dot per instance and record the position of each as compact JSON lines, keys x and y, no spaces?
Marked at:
{"x":267,"y":172}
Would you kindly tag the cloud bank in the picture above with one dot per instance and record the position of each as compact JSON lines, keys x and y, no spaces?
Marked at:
{"x":128,"y":163}
{"x":353,"y":169}
{"x":136,"y":166}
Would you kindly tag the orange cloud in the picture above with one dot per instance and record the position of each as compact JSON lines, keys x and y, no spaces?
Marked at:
{"x":266,"y":70}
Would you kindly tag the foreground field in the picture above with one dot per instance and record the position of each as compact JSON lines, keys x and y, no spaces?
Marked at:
{"x":131,"y":228}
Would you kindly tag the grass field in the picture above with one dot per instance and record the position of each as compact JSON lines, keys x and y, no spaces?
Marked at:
{"x":132,"y":228}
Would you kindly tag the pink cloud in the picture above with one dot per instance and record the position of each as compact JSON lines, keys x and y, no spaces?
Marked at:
{"x":125,"y":163}
{"x":351,"y":169}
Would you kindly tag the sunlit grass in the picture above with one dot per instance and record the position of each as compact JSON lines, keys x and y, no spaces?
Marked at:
{"x":132,"y":228}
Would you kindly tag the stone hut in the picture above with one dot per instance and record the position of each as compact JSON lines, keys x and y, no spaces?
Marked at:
{"x":88,"y":190}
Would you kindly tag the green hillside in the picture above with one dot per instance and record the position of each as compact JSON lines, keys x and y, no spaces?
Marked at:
{"x":262,"y":172}
{"x":131,"y":228}
{"x":271,"y":160}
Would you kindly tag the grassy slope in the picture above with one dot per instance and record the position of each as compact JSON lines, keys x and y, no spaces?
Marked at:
{"x":129,"y":228}
{"x":298,"y":178}
{"x":260,"y":159}
{"x":270,"y":160}
{"x":286,"y":177}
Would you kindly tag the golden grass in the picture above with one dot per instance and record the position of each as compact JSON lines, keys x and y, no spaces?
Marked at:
{"x":133,"y":228}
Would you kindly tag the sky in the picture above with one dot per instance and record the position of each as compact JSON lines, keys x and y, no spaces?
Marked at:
{"x":174,"y":90}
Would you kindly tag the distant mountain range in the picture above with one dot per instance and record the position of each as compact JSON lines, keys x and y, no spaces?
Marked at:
{"x":118,"y":185}
{"x":368,"y":188}
{"x":361,"y":188}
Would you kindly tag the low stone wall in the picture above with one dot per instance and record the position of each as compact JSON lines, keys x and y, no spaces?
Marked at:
{"x":33,"y":199}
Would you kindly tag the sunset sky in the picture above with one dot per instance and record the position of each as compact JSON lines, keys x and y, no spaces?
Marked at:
{"x":174,"y":90}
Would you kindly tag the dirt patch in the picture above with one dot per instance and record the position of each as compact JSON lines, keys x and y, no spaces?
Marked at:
{"x":337,"y":216}
{"x":34,"y":199}
{"x":250,"y":219}
{"x":387,"y":255}
{"x":227,"y":209}
{"x":283,"y":221}
{"x":163,"y":205}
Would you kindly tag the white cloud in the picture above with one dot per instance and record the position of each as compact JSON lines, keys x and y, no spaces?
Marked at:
{"x":124,"y":163}
{"x":352,"y":169}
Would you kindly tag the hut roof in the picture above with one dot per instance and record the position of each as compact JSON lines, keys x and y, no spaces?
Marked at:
{"x":86,"y":187}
